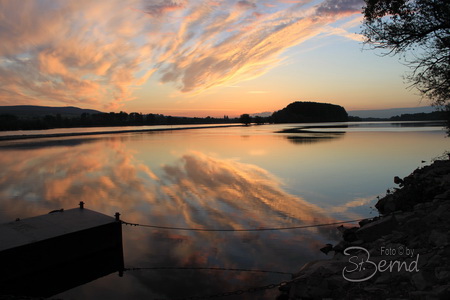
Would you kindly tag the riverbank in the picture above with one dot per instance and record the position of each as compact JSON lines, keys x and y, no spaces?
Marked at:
{"x":87,"y":133}
{"x":403,"y":254}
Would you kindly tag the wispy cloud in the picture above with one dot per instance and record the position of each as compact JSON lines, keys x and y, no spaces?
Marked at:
{"x":71,"y":52}
{"x":333,"y":7}
{"x":358,"y":202}
{"x":96,"y":53}
{"x":163,"y":7}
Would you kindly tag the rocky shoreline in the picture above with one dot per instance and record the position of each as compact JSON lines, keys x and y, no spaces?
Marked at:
{"x":402,"y":254}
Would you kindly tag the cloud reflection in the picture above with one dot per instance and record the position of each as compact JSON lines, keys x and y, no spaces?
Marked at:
{"x":196,"y":190}
{"x":231,"y":188}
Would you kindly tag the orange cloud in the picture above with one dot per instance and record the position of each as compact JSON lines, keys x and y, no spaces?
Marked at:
{"x":253,"y":45}
{"x":69,"y":53}
{"x":98,"y":53}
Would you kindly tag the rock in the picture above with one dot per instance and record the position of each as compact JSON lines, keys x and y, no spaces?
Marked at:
{"x":434,"y":261}
{"x":399,"y":181}
{"x":419,"y":282}
{"x":442,"y":292}
{"x":386,"y":204}
{"x":443,"y":211}
{"x":442,"y":275}
{"x":341,"y":246}
{"x":312,"y":279}
{"x":398,"y":236}
{"x":443,"y":196}
{"x":376,"y":229}
{"x":445,"y":252}
{"x":419,"y":295}
{"x":320,"y":268}
{"x":403,"y":217}
{"x":341,"y":229}
{"x":419,"y":206}
{"x":350,"y":235}
{"x":327,"y":249}
{"x":384,"y":278}
{"x":423,"y":259}
{"x":335,"y":282}
{"x":365,"y":222}
{"x":415,"y":226}
{"x":438,"y":238}
{"x":357,"y":243}
{"x":423,"y":280}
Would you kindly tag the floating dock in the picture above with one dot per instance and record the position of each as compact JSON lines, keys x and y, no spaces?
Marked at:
{"x":46,"y":255}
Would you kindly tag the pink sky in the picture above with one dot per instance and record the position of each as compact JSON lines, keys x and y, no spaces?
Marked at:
{"x":192,"y":58}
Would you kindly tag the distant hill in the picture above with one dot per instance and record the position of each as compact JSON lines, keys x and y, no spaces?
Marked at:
{"x":28,"y":111}
{"x":388,"y":113}
{"x":262,"y":114}
{"x":307,"y":112}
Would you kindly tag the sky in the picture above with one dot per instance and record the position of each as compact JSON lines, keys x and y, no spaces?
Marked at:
{"x":194,"y":58}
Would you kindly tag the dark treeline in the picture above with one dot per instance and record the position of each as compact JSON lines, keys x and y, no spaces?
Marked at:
{"x":294,"y":113}
{"x":436,"y":115}
{"x":13,"y":122}
{"x":433,"y":116}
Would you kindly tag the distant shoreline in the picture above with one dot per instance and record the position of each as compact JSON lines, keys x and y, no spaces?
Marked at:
{"x":70,"y":134}
{"x":25,"y":136}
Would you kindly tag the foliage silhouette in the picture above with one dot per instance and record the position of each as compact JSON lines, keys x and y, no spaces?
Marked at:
{"x":421,"y":27}
{"x":307,"y":112}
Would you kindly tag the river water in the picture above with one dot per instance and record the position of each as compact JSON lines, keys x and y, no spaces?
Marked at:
{"x":223,"y":178}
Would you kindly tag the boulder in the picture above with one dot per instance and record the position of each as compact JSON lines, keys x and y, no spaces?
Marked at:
{"x":377,"y":229}
{"x":438,"y":238}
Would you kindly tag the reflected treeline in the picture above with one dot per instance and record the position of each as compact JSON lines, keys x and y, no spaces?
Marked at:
{"x":67,"y":141}
{"x":196,"y":190}
{"x":312,"y":138}
{"x":419,"y":124}
{"x":46,"y":143}
{"x":307,"y":135}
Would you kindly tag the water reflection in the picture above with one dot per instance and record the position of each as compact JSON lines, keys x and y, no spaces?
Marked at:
{"x":311,"y":138}
{"x":308,"y":135}
{"x":45,"y":143}
{"x":195,"y":190}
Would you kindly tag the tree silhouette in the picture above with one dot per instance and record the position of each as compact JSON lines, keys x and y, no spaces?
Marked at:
{"x":420,"y":28}
{"x":245,"y":119}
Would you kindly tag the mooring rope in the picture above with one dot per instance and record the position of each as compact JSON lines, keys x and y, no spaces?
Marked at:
{"x":241,"y":230}
{"x":207,"y":269}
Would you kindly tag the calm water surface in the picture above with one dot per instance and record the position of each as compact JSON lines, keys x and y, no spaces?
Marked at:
{"x":231,"y":178}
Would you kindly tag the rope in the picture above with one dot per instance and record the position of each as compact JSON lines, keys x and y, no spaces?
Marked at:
{"x":208,"y":269}
{"x":240,"y":230}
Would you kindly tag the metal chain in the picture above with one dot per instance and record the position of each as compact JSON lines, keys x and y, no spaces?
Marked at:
{"x":241,"y":230}
{"x":236,"y":292}
{"x":208,"y":269}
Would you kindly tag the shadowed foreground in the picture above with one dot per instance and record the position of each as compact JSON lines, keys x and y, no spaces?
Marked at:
{"x":401,"y":254}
